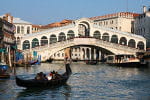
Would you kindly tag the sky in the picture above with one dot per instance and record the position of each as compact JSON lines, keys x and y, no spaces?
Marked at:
{"x":48,"y":11}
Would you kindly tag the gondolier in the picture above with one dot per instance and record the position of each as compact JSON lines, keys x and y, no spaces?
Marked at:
{"x":67,"y":62}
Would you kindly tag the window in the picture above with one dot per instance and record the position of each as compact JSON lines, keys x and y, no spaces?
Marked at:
{"x":58,"y":54}
{"x":18,"y":29}
{"x":22,"y":30}
{"x":75,"y":49}
{"x":28,"y":30}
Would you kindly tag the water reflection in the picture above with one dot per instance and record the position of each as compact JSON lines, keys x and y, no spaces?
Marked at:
{"x":46,"y":93}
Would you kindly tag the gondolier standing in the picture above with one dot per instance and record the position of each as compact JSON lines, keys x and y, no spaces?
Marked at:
{"x":67,"y":60}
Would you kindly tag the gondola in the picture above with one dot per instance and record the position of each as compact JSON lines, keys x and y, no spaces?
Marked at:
{"x":33,"y":83}
{"x":88,"y":62}
{"x":50,"y":60}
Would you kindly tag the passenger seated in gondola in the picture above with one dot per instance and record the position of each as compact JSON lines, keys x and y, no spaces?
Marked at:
{"x":54,"y":76}
{"x":41,"y":76}
{"x":49,"y":77}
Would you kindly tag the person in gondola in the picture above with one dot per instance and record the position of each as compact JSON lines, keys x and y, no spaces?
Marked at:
{"x":41,"y":76}
{"x":49,"y":77}
{"x":67,"y":62}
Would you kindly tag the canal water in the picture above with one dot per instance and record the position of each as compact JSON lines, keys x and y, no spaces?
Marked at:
{"x":87,"y":82}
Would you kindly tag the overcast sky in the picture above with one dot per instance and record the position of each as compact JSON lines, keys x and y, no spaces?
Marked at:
{"x":49,"y":11}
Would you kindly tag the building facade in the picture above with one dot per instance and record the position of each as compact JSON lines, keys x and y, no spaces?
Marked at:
{"x":142,"y":25}
{"x":122,"y":21}
{"x":22,"y":28}
{"x":7,"y":40}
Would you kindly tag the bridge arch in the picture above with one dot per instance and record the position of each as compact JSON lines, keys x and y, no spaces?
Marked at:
{"x":97,"y":34}
{"x":44,"y":40}
{"x":35,"y":42}
{"x":53,"y":38}
{"x":84,"y":27}
{"x":132,"y":43}
{"x":123,"y":41}
{"x":140,"y":45}
{"x":61,"y":36}
{"x":26,"y":45}
{"x":70,"y":34}
{"x":105,"y":37}
{"x":114,"y":39}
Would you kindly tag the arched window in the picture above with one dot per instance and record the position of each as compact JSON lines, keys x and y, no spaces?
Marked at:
{"x":61,"y":37}
{"x":105,"y":37}
{"x":28,"y":30}
{"x":123,"y":41}
{"x":53,"y":38}
{"x":140,"y":45}
{"x":35,"y":42}
{"x":131,"y":43}
{"x":18,"y":29}
{"x":70,"y":34}
{"x":44,"y":40}
{"x":22,"y":30}
{"x":18,"y":40}
{"x":114,"y":39}
{"x":26,"y":45}
{"x":97,"y":35}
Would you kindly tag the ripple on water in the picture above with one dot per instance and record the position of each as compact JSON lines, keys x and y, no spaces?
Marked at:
{"x":88,"y":82}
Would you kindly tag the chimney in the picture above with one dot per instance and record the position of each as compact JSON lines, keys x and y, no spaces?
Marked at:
{"x":144,"y":9}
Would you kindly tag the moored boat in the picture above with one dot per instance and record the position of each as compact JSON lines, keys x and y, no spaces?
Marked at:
{"x":91,"y":62}
{"x":49,"y":60}
{"x":123,"y":60}
{"x":34,"y":83}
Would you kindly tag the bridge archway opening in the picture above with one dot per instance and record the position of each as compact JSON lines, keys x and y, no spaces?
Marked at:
{"x":97,"y":35}
{"x":140,"y":45}
{"x":92,"y":52}
{"x":26,"y":45}
{"x":35,"y":42}
{"x":53,"y":39}
{"x":123,"y":41}
{"x":44,"y":41}
{"x":105,"y":37}
{"x":114,"y":39}
{"x":84,"y":29}
{"x":61,"y":36}
{"x":131,"y":43}
{"x":70,"y":34}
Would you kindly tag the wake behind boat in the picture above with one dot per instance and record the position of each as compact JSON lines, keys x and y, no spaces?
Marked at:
{"x":34,"y":83}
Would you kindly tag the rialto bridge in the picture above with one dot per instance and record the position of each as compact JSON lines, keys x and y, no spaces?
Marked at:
{"x":82,"y":32}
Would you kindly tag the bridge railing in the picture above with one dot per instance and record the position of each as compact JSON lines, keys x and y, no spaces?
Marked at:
{"x":73,"y":41}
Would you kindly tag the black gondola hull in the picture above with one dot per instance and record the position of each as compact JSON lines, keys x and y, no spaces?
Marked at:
{"x":40,"y":83}
{"x":31,"y":83}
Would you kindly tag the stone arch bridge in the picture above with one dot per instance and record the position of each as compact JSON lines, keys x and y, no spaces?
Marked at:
{"x":81,"y":32}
